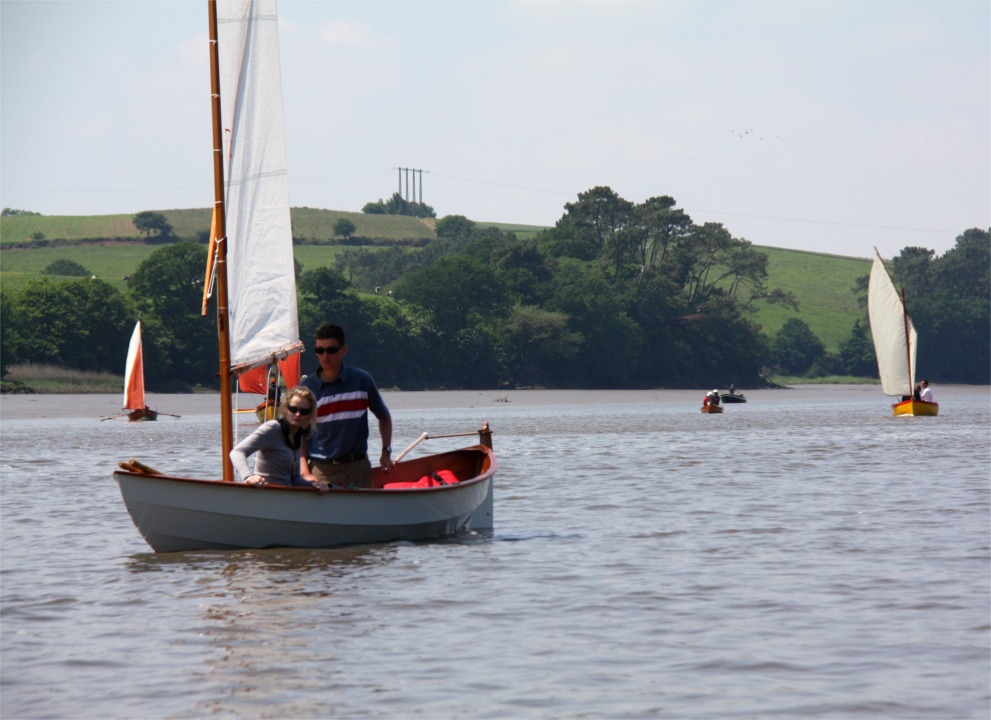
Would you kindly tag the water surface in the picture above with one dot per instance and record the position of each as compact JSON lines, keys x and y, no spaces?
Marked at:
{"x":802,"y":555}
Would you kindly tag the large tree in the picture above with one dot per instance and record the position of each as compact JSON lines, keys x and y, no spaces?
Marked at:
{"x":169,"y":289}
{"x":610,"y":339}
{"x":79,"y":324}
{"x":856,"y":354}
{"x":344,"y":228}
{"x":596,"y":223}
{"x":150,"y":222}
{"x":949,"y":299}
{"x":325,"y":295}
{"x":795,"y":348}
{"x":458,"y":291}
{"x":533,"y":343}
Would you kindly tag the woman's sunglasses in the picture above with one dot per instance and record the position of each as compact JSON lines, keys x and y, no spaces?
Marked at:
{"x":298,"y":410}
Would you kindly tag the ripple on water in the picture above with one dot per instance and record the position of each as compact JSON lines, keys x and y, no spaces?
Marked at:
{"x":785,"y":559}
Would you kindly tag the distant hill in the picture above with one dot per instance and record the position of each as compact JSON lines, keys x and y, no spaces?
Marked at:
{"x":110,"y":247}
{"x":308,"y":224}
{"x":824,"y":286}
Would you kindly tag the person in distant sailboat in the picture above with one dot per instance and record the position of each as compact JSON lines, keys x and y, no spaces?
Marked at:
{"x":925,"y":394}
{"x":338,"y":447}
{"x":278,"y":445}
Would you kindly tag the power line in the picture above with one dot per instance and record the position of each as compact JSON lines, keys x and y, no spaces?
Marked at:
{"x":817,"y":222}
{"x":715,"y":212}
{"x":506,"y":185}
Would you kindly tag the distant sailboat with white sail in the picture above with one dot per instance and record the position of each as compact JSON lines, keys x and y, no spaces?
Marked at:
{"x":895,"y":342}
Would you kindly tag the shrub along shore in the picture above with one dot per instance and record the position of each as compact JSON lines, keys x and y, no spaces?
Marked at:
{"x":53,"y":380}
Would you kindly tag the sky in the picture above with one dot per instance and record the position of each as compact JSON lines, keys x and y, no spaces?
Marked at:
{"x":831,"y":127}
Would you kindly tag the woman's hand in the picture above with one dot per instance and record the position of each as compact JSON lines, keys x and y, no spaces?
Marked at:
{"x":254,"y":480}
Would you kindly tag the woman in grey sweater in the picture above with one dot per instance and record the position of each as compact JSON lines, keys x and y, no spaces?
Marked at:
{"x":277,"y":443}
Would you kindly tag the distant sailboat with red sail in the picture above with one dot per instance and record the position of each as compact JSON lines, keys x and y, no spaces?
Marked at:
{"x":134,"y":381}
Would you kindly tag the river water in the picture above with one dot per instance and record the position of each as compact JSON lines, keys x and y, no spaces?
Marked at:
{"x":804,"y":555}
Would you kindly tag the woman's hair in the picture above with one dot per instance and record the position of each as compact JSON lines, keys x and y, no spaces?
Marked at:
{"x":303,"y":394}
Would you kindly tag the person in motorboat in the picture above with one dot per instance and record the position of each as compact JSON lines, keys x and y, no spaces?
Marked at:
{"x":338,"y":447}
{"x":711,"y":398}
{"x":278,"y":444}
{"x":925,"y":394}
{"x":732,"y":389}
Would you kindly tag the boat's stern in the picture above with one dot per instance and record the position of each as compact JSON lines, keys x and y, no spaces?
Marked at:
{"x":482,"y":518}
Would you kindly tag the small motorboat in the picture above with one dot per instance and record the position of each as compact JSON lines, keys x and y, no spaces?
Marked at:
{"x":732,"y":397}
{"x":712,"y":408}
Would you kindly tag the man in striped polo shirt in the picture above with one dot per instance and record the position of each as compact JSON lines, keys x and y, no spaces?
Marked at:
{"x":338,"y":448}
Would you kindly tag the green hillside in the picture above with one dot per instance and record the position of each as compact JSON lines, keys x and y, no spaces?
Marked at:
{"x":308,"y":225}
{"x":822,"y":283}
{"x":824,"y":286}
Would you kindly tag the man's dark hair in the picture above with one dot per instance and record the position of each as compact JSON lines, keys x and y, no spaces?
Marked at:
{"x":329,"y":331}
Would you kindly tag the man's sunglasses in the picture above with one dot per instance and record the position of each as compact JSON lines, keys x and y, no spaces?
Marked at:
{"x":329,"y":350}
{"x":298,"y":410}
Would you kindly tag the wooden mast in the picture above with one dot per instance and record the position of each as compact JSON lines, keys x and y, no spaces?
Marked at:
{"x":223,"y":337}
{"x":908,"y":348}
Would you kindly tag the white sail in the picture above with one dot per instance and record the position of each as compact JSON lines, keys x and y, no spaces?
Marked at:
{"x":260,"y":269}
{"x":893,"y":332}
{"x":134,"y":373}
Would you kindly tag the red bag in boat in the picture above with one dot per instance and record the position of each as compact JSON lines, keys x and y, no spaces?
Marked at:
{"x":434,"y":479}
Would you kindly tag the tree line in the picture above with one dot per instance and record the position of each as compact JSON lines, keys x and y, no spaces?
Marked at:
{"x":615,"y":295}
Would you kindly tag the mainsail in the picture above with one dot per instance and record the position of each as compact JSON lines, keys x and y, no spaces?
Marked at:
{"x":893,"y":332}
{"x":260,"y":268}
{"x":134,"y":373}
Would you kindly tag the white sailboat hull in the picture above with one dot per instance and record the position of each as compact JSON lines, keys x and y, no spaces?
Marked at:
{"x":176,"y":514}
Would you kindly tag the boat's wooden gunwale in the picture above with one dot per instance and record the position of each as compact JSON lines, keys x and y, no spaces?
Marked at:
{"x":408,"y":471}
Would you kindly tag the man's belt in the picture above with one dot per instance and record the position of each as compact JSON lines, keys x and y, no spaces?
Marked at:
{"x":344,"y":459}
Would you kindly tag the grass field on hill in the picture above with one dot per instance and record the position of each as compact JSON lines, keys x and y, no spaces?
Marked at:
{"x":108,"y":262}
{"x":308,"y":224}
{"x":18,"y":229}
{"x":822,"y":283}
